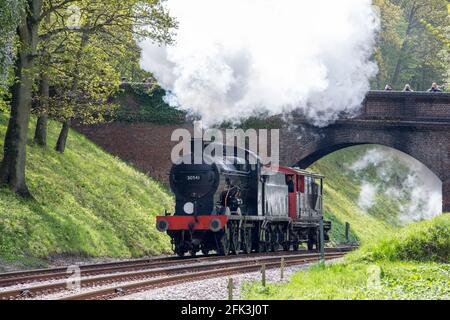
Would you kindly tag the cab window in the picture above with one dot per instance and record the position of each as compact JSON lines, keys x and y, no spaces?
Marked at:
{"x":290,"y":183}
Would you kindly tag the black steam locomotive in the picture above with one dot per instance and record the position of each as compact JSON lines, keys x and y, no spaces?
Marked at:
{"x":233,"y":203}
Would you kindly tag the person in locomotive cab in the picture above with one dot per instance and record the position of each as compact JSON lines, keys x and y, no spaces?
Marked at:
{"x":315,"y":190}
{"x":230,"y":197}
{"x":290,"y":184}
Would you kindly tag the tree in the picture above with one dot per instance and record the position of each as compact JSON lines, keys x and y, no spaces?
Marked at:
{"x":415,"y":12}
{"x":113,"y":27}
{"x":389,"y":39}
{"x":84,"y":87}
{"x":10,"y":12}
{"x":12,"y":168}
{"x":148,"y":18}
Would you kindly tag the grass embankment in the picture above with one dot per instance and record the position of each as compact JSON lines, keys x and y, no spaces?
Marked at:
{"x":86,"y":202}
{"x":412,"y":264}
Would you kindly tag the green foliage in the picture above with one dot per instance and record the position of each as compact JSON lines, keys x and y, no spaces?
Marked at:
{"x":10,"y":12}
{"x":127,"y":62}
{"x":412,"y":47}
{"x":85,"y":202}
{"x":4,"y":96}
{"x":84,"y":83}
{"x":139,"y":103}
{"x":86,"y":46}
{"x":259,"y":120}
{"x":424,"y":241}
{"x":387,"y":280}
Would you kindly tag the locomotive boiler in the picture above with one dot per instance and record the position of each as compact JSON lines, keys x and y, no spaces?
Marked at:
{"x":230,"y":203}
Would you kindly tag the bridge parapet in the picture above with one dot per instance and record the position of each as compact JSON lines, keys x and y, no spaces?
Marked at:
{"x":407,"y":106}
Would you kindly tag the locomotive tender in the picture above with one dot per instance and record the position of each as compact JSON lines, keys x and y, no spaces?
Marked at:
{"x":233,"y":204}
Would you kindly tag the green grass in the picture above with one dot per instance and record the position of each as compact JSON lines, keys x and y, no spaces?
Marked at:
{"x":385,"y":280}
{"x":426,"y":241}
{"x":86,"y":202}
{"x":410,"y":264}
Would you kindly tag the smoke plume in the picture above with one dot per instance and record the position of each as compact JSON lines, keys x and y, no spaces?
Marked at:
{"x":234,"y":58}
{"x":367,"y":195}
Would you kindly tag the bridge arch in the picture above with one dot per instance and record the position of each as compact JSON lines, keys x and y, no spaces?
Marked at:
{"x":421,"y":185}
{"x":315,"y":152}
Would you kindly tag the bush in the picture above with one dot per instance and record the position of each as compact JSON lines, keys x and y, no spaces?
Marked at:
{"x":427,"y":241}
{"x":138,"y":103}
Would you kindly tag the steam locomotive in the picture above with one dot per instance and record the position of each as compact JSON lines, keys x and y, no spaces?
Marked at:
{"x":232,"y":204}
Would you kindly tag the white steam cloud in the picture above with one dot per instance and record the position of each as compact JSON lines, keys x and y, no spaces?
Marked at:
{"x":421,"y":188}
{"x":233,"y":58}
{"x":367,"y":195}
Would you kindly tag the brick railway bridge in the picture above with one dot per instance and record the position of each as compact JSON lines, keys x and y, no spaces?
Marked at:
{"x":415,"y":123}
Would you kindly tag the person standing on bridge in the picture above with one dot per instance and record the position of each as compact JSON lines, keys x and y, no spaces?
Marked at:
{"x":434,"y":88}
{"x":407,"y":88}
{"x":388,"y":87}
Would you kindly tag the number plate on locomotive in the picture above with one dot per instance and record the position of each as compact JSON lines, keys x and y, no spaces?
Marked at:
{"x":193,"y":178}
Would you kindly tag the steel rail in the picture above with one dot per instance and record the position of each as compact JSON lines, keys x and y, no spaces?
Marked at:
{"x":126,"y":289}
{"x":40,"y":275}
{"x":31,"y":291}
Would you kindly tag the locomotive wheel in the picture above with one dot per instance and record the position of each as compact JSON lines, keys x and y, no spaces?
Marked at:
{"x":179,"y":252}
{"x":193,"y":252}
{"x":247,"y":241}
{"x":205,"y":252}
{"x":310,"y":243}
{"x":317,"y":243}
{"x":268,"y":242}
{"x":273,"y":247}
{"x":311,"y":239}
{"x":224,"y":243}
{"x":262,"y":247}
{"x":274,"y":242}
{"x":234,"y":245}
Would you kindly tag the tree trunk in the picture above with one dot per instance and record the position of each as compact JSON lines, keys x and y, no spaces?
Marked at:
{"x":62,"y":139}
{"x":40,"y":135}
{"x":12,"y":167}
{"x":398,"y":66}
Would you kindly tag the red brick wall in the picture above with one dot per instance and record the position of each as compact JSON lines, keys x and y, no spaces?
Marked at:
{"x":146,"y":146}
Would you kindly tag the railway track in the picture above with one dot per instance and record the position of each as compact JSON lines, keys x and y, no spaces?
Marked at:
{"x":145,"y":274}
{"x":126,"y":289}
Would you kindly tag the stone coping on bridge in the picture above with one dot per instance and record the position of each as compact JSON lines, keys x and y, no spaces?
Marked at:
{"x":407,"y":94}
{"x":371,"y":93}
{"x":411,"y":106}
